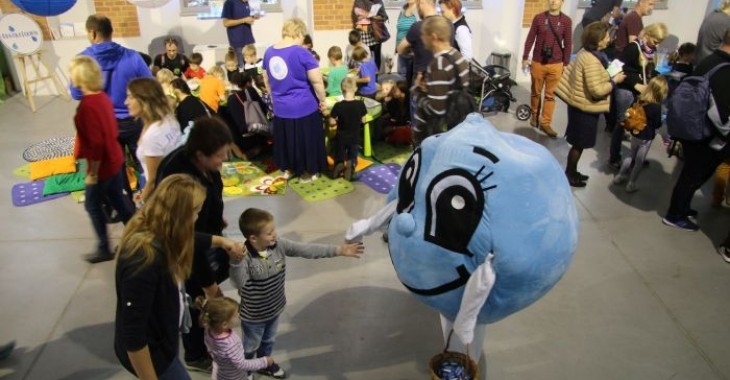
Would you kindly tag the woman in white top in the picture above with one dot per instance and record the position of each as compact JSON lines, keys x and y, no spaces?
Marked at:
{"x":451,"y":9}
{"x":160,"y":133}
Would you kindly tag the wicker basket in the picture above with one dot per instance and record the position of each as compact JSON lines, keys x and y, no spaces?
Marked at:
{"x":464,"y":359}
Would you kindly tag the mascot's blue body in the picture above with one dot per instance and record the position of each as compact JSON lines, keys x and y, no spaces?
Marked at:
{"x":472,"y":192}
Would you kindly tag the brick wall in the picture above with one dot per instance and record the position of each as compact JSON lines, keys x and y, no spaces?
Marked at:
{"x":532,"y":7}
{"x":8,"y":7}
{"x":123,"y":16}
{"x":331,"y":14}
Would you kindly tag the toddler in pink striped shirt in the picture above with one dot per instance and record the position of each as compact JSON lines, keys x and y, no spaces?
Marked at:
{"x":219,"y":316}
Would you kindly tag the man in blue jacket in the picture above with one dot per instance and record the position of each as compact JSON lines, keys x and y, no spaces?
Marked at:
{"x":119,"y":65}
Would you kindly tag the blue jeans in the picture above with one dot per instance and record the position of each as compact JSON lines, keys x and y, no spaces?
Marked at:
{"x":175,"y":371}
{"x":259,"y":337}
{"x":109,"y":190}
{"x":624,"y":99}
{"x":405,"y":66}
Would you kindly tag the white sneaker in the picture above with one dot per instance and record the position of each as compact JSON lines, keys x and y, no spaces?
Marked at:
{"x":619,"y":179}
{"x":724,"y":252}
{"x":631,"y":187}
{"x":250,"y":376}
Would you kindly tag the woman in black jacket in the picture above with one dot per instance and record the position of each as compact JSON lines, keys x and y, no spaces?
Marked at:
{"x":156,"y":256}
{"x":640,"y":60}
{"x":155,"y":259}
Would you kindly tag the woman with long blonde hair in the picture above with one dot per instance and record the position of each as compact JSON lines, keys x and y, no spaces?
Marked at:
{"x":155,"y":258}
{"x":160,"y":132}
{"x":640,"y":62}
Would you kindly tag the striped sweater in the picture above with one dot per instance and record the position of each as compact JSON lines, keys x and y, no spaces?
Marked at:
{"x":440,"y":81}
{"x":260,"y":281}
{"x":229,"y":362}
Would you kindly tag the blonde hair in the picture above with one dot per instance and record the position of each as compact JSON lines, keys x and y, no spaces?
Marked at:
{"x":215,"y":312}
{"x":656,"y":90}
{"x":334,"y":53}
{"x":230,"y":55}
{"x":438,"y":25}
{"x":359,"y":53}
{"x":166,"y":222}
{"x":149,"y":93}
{"x":348,"y":85}
{"x":253,"y":220}
{"x":85,"y":71}
{"x":249,"y":50}
{"x":293,"y":28}
{"x":164,"y":76}
{"x":216,"y":71}
{"x":657,"y":31}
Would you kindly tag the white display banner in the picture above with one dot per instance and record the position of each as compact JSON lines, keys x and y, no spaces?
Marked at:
{"x":20,"y":33}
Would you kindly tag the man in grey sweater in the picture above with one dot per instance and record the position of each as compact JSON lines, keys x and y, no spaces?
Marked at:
{"x":712,"y":31}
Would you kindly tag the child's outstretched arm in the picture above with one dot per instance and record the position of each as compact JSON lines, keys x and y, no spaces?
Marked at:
{"x":354,"y":250}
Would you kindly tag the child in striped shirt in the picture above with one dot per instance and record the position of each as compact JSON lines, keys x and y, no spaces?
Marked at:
{"x":219,"y":316}
{"x":259,"y":278}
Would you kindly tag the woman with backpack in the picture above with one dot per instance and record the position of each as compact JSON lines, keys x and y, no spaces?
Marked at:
{"x":586,"y":86}
{"x":647,"y":112}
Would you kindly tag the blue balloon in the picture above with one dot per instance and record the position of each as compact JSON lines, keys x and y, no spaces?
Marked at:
{"x":473,"y":191}
{"x":44,"y":7}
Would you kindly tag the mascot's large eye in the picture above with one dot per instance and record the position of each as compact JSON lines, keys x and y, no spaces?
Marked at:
{"x":407,"y":182}
{"x":455,"y":202}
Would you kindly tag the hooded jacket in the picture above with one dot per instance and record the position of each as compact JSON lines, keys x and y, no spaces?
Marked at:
{"x":119,"y":65}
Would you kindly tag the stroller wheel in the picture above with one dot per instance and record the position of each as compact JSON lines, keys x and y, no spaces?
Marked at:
{"x":523,"y":112}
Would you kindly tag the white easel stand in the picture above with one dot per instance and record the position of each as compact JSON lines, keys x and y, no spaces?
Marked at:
{"x":34,"y":61}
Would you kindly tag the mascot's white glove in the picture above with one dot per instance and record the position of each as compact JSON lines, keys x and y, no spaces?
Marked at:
{"x":476,"y":293}
{"x":372,"y":224}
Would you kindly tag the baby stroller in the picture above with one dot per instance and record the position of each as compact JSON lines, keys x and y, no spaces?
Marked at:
{"x":492,"y":85}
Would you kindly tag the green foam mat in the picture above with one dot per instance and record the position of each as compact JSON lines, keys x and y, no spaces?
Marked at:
{"x":23,"y":171}
{"x":321,"y":189}
{"x":387,"y":153}
{"x":243,"y":178}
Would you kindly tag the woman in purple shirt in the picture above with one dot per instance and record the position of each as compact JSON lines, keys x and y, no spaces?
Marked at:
{"x":298,"y":95}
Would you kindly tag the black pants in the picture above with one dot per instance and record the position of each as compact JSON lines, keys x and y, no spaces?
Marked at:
{"x":129,"y":132}
{"x":193,"y":341}
{"x":375,"y":51}
{"x":700,"y":162}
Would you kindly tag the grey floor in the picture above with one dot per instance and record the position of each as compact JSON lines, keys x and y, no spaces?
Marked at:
{"x":640,"y":301}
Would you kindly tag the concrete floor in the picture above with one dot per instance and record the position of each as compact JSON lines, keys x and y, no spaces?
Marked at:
{"x":640,"y":301}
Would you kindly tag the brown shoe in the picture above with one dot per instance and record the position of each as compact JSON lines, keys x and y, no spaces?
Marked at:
{"x":533,"y":123}
{"x":549,"y":131}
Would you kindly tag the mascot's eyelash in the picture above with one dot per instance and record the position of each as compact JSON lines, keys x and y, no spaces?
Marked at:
{"x":486,"y":177}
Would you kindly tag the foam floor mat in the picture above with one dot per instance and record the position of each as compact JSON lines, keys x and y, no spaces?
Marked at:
{"x":387,"y":153}
{"x":52,"y":148}
{"x":26,"y":194}
{"x":381,"y":178}
{"x":243,"y":178}
{"x":321,"y":189}
{"x":22,"y":172}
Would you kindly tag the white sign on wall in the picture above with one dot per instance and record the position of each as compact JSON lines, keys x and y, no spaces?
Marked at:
{"x":20,"y":33}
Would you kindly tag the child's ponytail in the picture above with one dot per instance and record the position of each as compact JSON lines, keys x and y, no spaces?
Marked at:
{"x":215,"y":312}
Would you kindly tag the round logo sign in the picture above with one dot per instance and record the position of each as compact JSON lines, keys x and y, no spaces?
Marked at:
{"x":20,"y":33}
{"x":279,"y":69}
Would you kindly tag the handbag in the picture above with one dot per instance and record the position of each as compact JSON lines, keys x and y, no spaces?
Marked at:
{"x":380,"y":30}
{"x":256,"y":121}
